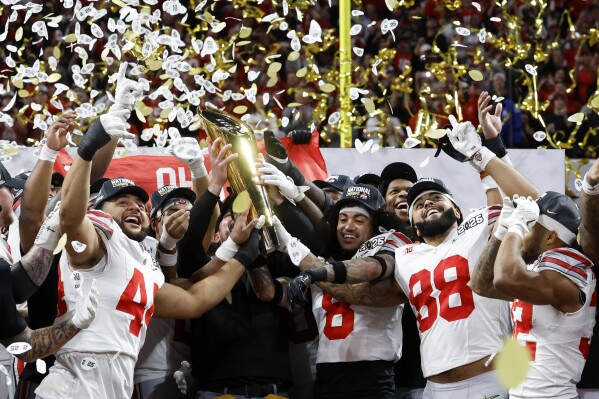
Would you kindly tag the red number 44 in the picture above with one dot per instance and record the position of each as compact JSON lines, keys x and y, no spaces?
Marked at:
{"x":454,"y":299}
{"x":128,"y":305}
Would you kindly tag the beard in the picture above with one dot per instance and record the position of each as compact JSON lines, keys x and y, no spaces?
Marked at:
{"x":437,"y":227}
{"x":138,"y":236}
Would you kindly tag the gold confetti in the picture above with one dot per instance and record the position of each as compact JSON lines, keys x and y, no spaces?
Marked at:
{"x":54,"y":77}
{"x":245,"y":32}
{"x":23,"y":93}
{"x":60,"y":244}
{"x":476,"y":75}
{"x":294,"y":55}
{"x":19,"y":34}
{"x":369,"y":105}
{"x":302,"y":72}
{"x":70,"y":38}
{"x":240,"y":109}
{"x":435,"y":133}
{"x":576,"y":118}
{"x":512,"y":363}
{"x":242,"y":202}
{"x":327,"y":88}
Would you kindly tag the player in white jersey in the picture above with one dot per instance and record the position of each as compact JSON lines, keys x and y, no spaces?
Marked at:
{"x":459,"y":330}
{"x":531,"y":261}
{"x":358,"y":345}
{"x":105,"y":244}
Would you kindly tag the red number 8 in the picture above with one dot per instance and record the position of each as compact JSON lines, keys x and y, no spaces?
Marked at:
{"x":337,"y":308}
{"x":456,"y":287}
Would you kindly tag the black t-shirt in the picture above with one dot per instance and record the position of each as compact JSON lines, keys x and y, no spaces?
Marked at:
{"x":11,"y":322}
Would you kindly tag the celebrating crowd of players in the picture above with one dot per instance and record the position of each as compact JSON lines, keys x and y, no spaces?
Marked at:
{"x":380,"y":287}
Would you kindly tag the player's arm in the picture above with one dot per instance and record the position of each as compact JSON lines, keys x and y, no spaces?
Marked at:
{"x":589,"y":216}
{"x":207,"y":270}
{"x":267,"y":288}
{"x":380,"y":294}
{"x":512,"y":279}
{"x":37,"y":187}
{"x":482,"y":277}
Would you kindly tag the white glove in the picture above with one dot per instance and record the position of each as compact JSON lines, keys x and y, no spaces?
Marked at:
{"x":506,"y":213}
{"x":115,"y":124}
{"x":273,"y":176}
{"x":49,"y":233}
{"x":86,"y":305}
{"x":525,"y":215}
{"x":183,"y":377}
{"x":294,"y":247}
{"x":127,"y":91}
{"x":464,"y":138}
{"x":187,"y":150}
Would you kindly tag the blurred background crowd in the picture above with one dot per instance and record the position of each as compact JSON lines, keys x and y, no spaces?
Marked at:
{"x":412,"y":66}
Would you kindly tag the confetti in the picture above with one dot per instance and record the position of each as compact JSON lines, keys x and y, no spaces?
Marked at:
{"x":576,"y":118}
{"x":425,"y":162}
{"x":475,"y":75}
{"x":60,"y":244}
{"x":539,"y":136}
{"x":512,"y":363}
{"x":411,"y":142}
{"x":462,"y":31}
{"x":476,"y":5}
{"x":363,"y":147}
{"x":40,"y":366}
{"x":78,"y":246}
{"x":531,"y":69}
{"x":89,"y":363}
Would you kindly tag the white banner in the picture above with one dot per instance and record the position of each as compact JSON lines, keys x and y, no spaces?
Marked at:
{"x":545,"y":168}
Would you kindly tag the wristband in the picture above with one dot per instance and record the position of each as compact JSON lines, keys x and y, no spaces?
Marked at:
{"x":318,"y":274}
{"x":340,"y":272}
{"x":166,"y":260}
{"x":482,"y":157}
{"x":278,"y":293}
{"x":227,"y":250}
{"x":383,"y":267}
{"x":198,"y":169}
{"x":588,"y":188}
{"x":48,"y":154}
{"x":169,"y":243}
{"x":496,"y":145}
{"x":488,"y":183}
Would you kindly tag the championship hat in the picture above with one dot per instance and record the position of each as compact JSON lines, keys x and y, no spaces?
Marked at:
{"x":369,"y":179}
{"x":169,"y":195}
{"x":334,"y":182}
{"x":364,"y":195}
{"x":117,"y":187}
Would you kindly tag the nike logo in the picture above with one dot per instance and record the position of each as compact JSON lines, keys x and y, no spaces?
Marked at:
{"x":549,"y":211}
{"x":491,"y":397}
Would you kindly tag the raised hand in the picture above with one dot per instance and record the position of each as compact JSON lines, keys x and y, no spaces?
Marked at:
{"x":502,"y":222}
{"x":187,"y":150}
{"x":490,"y":122}
{"x":300,"y":136}
{"x":219,"y":161}
{"x":56,"y":135}
{"x":127,"y":91}
{"x":270,"y":175}
{"x":86,"y":306}
{"x":297,"y":289}
{"x":463,"y":137}
{"x":49,"y":233}
{"x":524,"y":217}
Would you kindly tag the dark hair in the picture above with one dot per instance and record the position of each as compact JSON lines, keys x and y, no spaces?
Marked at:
{"x":380,"y":219}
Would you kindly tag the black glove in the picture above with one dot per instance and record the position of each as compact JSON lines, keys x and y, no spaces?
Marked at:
{"x":300,"y":136}
{"x":276,"y":154}
{"x":249,"y":251}
{"x":94,"y":139}
{"x":296,"y":289}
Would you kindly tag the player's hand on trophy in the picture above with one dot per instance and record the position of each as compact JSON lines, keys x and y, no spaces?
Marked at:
{"x":276,"y":154}
{"x":49,"y":233}
{"x":287,"y":243}
{"x":504,"y":217}
{"x":270,"y":175}
{"x":86,"y":305}
{"x":490,"y":122}
{"x":187,"y":150}
{"x":300,"y":136}
{"x":183,"y":377}
{"x":297,"y":289}
{"x":240,"y":233}
{"x":524,"y":217}
{"x":219,"y":161}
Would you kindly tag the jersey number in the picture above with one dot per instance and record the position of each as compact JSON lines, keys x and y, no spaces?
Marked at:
{"x":334,"y":311}
{"x":522,"y":317}
{"x":454,"y":300}
{"x":128,"y":305}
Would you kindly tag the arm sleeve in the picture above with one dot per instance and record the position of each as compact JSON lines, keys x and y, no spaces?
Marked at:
{"x":11,"y":321}
{"x":299,"y":226}
{"x":191,"y":254}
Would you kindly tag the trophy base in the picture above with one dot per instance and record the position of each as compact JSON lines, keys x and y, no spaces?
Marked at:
{"x":270,"y":241}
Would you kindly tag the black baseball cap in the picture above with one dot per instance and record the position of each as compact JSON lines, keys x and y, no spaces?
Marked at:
{"x":362,"y":194}
{"x":560,"y":214}
{"x":57,"y":179}
{"x":394,"y":171}
{"x":17,"y":193}
{"x":117,"y":187}
{"x":368,"y":178}
{"x":160,"y":196}
{"x":334,"y":182}
{"x":11,"y":182}
{"x":425,"y":185}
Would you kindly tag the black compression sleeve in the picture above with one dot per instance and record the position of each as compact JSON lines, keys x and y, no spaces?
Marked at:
{"x":94,"y":139}
{"x":298,"y":225}
{"x":383,"y":266}
{"x":340,"y":272}
{"x":22,"y":286}
{"x":278,"y":293}
{"x":191,"y":254}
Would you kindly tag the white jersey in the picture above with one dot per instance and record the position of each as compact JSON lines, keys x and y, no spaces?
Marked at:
{"x":558,"y":342}
{"x":166,"y":344}
{"x":352,"y":333}
{"x":457,"y":326}
{"x":127,"y":278}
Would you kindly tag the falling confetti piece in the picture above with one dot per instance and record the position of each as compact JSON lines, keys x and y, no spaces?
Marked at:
{"x":512,"y":363}
{"x":356,"y":29}
{"x":89,"y":363}
{"x":425,"y":162}
{"x":40,"y":366}
{"x":60,"y":244}
{"x":462,"y":31}
{"x":436,"y":133}
{"x":411,"y":142}
{"x":578,"y":184}
{"x":358,"y":51}
{"x":476,"y":5}
{"x":369,"y":105}
{"x":539,"y":136}
{"x":531,"y":69}
{"x":495,"y":19}
{"x":391,"y":4}
{"x":327,"y":88}
{"x":240,"y":109}
{"x":363,"y":147}
{"x":475,"y":75}
{"x":334,"y":118}
{"x":576,"y":118}
{"x":78,"y":246}
{"x":18,"y":348}
{"x":482,"y":36}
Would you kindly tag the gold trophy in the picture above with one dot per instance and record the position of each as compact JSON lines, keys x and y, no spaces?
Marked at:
{"x":242,"y":171}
